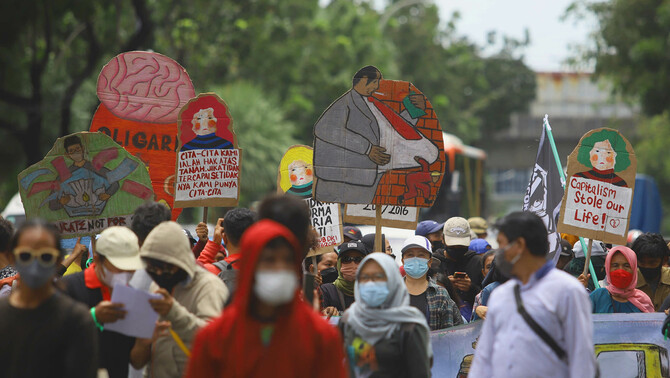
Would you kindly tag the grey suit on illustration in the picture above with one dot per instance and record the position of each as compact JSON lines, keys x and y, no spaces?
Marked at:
{"x":343,"y":137}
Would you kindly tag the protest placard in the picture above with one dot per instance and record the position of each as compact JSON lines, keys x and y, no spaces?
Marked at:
{"x":208,"y":161}
{"x":141,"y":94}
{"x":379,"y":143}
{"x":295,"y":177}
{"x":84,"y":184}
{"x":600,"y":184}
{"x":392,"y":216}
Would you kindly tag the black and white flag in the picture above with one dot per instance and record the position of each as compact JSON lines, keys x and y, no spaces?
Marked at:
{"x":545,"y":193}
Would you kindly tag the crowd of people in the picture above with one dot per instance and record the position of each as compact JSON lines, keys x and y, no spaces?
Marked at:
{"x":237,"y":305}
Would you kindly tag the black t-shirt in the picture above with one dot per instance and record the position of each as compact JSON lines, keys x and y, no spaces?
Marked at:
{"x":421,"y":302}
{"x":56,"y":339}
{"x":114,"y":347}
{"x":331,"y":297}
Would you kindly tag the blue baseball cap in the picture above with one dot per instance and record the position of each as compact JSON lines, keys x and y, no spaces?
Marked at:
{"x":428,"y":227}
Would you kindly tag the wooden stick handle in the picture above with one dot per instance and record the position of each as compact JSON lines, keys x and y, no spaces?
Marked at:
{"x":378,"y":228}
{"x":205,"y":211}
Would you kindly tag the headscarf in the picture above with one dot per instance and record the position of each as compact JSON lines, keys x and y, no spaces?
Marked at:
{"x":374,"y":324}
{"x":346,"y":287}
{"x":637,"y":297}
{"x":234,"y":339}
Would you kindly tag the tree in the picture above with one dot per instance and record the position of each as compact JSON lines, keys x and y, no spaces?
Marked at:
{"x":630,"y":48}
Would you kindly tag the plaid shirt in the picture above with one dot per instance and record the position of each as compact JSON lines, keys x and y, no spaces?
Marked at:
{"x":443,"y":311}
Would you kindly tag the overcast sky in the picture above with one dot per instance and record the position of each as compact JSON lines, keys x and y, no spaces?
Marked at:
{"x":550,"y":37}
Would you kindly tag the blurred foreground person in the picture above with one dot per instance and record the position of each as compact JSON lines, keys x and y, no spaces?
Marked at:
{"x":620,"y":295}
{"x":539,"y":322}
{"x":7,"y":272}
{"x":384,"y":336}
{"x":268,"y":331}
{"x":45,"y":333}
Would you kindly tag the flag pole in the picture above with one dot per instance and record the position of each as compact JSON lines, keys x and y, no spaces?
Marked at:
{"x":550,"y":135}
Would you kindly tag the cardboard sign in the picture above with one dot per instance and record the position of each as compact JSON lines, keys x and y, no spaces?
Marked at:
{"x":141,"y":94}
{"x":208,"y":161}
{"x":296,"y":178}
{"x":392,"y":216}
{"x":599,"y":189}
{"x":379,"y":143}
{"x":86,"y":183}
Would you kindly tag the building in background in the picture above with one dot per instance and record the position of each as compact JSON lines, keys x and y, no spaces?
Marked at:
{"x":575,"y":105}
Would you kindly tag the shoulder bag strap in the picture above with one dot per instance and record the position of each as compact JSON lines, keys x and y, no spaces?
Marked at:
{"x":341,"y":297}
{"x":536,"y":327}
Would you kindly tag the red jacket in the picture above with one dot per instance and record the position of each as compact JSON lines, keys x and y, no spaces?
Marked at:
{"x":302,"y":344}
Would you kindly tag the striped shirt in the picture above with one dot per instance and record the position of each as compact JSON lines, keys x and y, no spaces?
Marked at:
{"x":605,"y":176}
{"x":207,"y":142}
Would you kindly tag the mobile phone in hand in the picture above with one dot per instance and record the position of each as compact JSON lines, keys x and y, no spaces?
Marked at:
{"x":462,"y":275}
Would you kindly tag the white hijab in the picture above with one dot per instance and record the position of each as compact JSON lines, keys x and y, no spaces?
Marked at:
{"x":374,"y":324}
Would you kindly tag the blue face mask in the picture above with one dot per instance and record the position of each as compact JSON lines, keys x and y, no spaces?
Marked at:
{"x":416,"y":267}
{"x":35,"y":275}
{"x":373,"y":293}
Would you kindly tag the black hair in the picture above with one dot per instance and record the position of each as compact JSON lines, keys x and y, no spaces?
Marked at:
{"x":308,"y":261}
{"x":524,"y":224}
{"x":369,"y":242}
{"x":443,"y":280}
{"x":370,"y":72}
{"x":650,"y":245}
{"x":291,"y":212}
{"x":236,"y":222}
{"x":486,"y":255}
{"x":37,"y":223}
{"x":147,"y":216}
{"x":72,"y":140}
{"x":6,"y":233}
{"x":494,"y":275}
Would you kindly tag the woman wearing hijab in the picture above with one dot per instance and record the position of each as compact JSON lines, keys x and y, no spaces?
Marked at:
{"x":268,"y":331}
{"x":383,"y":335}
{"x":620,"y":295}
{"x":339,"y":295}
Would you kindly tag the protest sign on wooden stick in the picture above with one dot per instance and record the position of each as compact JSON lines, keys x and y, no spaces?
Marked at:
{"x":599,"y":194}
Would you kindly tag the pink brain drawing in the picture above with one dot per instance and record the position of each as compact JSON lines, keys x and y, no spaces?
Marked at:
{"x":144,"y":86}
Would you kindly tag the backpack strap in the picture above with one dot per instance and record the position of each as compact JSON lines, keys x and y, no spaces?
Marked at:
{"x":222,"y":265}
{"x":536,"y":327}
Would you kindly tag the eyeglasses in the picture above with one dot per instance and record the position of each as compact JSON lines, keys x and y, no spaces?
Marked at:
{"x":349,"y":259}
{"x":45,"y":256}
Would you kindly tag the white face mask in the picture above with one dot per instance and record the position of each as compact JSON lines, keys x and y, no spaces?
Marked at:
{"x":275,"y":287}
{"x":111,"y":278}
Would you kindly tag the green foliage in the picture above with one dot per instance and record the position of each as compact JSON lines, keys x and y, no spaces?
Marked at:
{"x":278,"y":63}
{"x":263,"y":133}
{"x":630,"y":48}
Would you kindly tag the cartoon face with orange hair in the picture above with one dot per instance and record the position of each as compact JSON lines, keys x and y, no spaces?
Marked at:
{"x":204,"y":122}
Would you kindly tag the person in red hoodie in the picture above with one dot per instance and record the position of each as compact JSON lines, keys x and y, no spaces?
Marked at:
{"x":268,"y":330}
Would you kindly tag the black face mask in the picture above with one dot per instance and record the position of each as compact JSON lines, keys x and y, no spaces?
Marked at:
{"x":457,"y":253}
{"x":651,"y":274}
{"x":168,"y":281}
{"x":329,"y":275}
{"x":438,"y":245}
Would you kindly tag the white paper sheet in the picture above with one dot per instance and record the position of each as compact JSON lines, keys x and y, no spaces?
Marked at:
{"x":140,"y":319}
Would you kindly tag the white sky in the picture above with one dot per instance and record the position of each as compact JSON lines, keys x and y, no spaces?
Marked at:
{"x":549,"y":36}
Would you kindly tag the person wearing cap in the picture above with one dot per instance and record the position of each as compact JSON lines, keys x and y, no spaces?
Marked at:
{"x":462,"y":265}
{"x":339,"y":295}
{"x":191,"y":296}
{"x":479,"y":226}
{"x":433,"y":232}
{"x":369,"y":241}
{"x":115,"y":258}
{"x":566,"y":254}
{"x":554,"y":337}
{"x":431,"y":299}
{"x":352,"y":233}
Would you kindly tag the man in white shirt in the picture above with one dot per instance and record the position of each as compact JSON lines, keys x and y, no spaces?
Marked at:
{"x":509,"y":346}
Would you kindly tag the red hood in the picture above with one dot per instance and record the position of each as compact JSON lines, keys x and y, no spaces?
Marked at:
{"x":254,"y":239}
